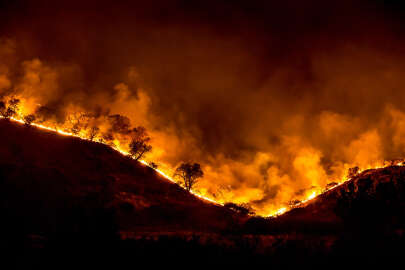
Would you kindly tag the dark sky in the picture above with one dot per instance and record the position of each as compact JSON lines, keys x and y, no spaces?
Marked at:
{"x":270,"y":96}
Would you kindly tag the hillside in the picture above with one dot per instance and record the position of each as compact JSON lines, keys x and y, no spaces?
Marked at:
{"x":372,"y":200}
{"x":67,"y":199}
{"x":55,"y":183}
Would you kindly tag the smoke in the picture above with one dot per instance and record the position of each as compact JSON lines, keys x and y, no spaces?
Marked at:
{"x":275,"y":100}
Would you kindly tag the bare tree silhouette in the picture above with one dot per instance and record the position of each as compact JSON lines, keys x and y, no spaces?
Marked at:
{"x":44,"y":113}
{"x":139,"y":143}
{"x":13,"y":105}
{"x":189,"y":174}
{"x":10,"y":110}
{"x":28,"y":119}
{"x":153,"y":165}
{"x":93,"y":132}
{"x":119,"y":124}
{"x":243,"y":208}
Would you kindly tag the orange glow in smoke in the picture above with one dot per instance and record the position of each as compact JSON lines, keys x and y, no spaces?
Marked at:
{"x":166,"y":173}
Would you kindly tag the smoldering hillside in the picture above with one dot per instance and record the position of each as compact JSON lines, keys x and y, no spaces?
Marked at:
{"x":273,"y":99}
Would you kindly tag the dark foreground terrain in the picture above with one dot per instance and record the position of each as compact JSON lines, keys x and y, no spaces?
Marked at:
{"x":69,"y":203}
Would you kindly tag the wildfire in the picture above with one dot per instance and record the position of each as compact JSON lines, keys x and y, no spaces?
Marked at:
{"x":166,"y":175}
{"x":121,"y":151}
{"x":280,"y":211}
{"x":315,"y":194}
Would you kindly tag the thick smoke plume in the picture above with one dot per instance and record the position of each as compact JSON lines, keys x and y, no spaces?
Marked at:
{"x":275,"y":100}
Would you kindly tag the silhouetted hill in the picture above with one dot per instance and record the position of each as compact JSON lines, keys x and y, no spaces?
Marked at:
{"x":363,"y":218}
{"x":64,"y":200}
{"x":56,"y":184}
{"x":374,"y":200}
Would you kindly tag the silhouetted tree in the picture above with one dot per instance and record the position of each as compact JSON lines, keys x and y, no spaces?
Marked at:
{"x":294,"y":203}
{"x":44,"y":113}
{"x":243,"y":208}
{"x":119,"y":124}
{"x":352,"y":172}
{"x":9,"y":113}
{"x":189,"y":174}
{"x":331,"y":185}
{"x":139,"y":143}
{"x":28,"y":119}
{"x":75,"y":128}
{"x":153,"y":165}
{"x":10,"y":110}
{"x":78,"y":121}
{"x":108,"y":138}
{"x":13,"y":104}
{"x":93,"y":132}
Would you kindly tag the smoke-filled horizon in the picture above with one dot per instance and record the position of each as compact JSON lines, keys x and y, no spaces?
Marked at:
{"x":272,"y":98}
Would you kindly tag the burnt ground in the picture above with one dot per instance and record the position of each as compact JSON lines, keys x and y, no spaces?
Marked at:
{"x":70,"y":203}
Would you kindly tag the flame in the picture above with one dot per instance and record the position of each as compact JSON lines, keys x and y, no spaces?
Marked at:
{"x":166,"y":173}
{"x":310,"y":197}
{"x":280,"y":211}
{"x":315,"y":194}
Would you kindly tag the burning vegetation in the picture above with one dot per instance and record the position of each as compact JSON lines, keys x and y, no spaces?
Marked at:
{"x":274,"y":107}
{"x":288,"y":117}
{"x":88,"y":194}
{"x":187,"y":174}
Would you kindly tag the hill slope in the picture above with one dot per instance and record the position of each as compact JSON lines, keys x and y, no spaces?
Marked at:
{"x":63,"y":199}
{"x":372,"y":200}
{"x":53,"y":184}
